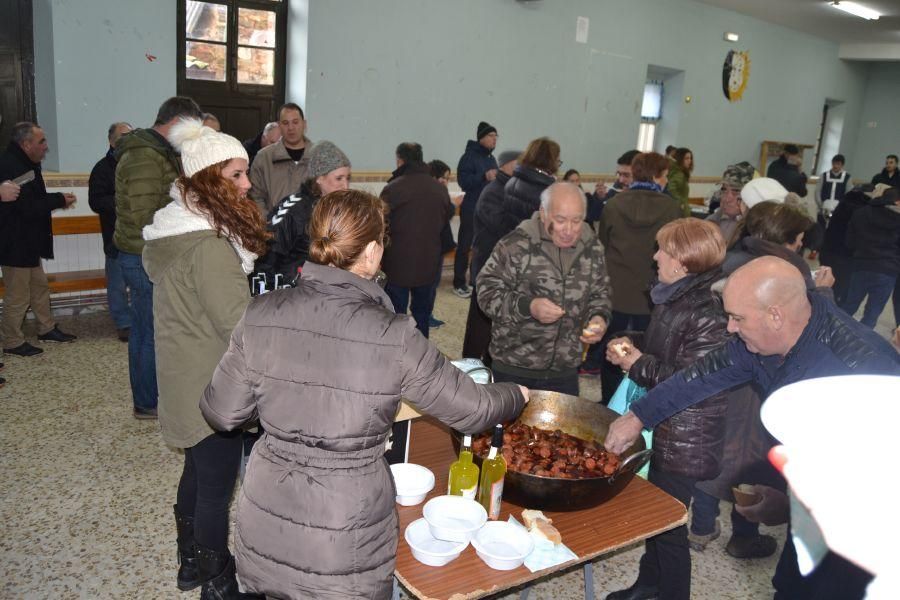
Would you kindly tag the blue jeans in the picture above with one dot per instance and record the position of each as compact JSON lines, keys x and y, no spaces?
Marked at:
{"x":705,"y":510}
{"x":141,"y":352}
{"x":422,"y":303}
{"x":878,"y":287}
{"x":117,"y":294}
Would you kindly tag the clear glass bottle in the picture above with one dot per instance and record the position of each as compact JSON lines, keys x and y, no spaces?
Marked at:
{"x":493,"y":471}
{"x":463,"y":473}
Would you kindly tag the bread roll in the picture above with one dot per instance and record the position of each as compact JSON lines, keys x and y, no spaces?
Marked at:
{"x":543,"y":529}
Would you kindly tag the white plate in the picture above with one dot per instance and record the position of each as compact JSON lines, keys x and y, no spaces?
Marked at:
{"x":454,"y":518}
{"x":502,"y":545}
{"x":413,"y":483}
{"x":429,"y":550}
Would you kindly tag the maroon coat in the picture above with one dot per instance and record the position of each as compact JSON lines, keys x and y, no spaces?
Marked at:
{"x":419,"y":209}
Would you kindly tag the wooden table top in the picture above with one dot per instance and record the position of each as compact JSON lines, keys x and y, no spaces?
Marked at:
{"x":640,"y":511}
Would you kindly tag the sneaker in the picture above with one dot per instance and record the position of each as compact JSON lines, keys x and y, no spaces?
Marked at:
{"x":25,"y":349}
{"x":759,"y":546}
{"x":57,"y":335}
{"x":122,"y":334}
{"x":434,"y":323}
{"x":463,"y":292}
{"x":700,"y":542}
{"x":589,"y":371}
{"x":143,"y":414}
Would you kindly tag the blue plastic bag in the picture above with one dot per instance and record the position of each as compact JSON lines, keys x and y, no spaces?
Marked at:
{"x":628,"y":392}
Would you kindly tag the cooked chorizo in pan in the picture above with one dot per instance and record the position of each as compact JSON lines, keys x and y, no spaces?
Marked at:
{"x":546,"y":453}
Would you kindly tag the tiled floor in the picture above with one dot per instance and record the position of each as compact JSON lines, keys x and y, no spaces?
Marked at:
{"x":86,"y":507}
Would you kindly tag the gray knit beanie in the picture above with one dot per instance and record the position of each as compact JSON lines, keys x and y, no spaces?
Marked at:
{"x":508,"y":156}
{"x":324,"y":158}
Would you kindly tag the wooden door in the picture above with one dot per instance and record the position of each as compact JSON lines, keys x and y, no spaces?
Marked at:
{"x":16,"y":66}
{"x":231,"y":60}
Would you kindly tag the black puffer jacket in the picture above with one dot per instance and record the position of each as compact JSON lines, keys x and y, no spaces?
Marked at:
{"x":874,"y":237}
{"x":683,"y":329}
{"x":289,"y":246}
{"x":504,"y":203}
{"x":834,"y":247}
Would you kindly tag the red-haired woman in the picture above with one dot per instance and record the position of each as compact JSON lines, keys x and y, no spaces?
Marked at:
{"x":199,"y":250}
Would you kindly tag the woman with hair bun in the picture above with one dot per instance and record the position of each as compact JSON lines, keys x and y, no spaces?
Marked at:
{"x":198,"y":252}
{"x":324,"y":366}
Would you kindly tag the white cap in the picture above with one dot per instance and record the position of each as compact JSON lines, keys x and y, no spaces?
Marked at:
{"x":202,"y":146}
{"x":761,"y":190}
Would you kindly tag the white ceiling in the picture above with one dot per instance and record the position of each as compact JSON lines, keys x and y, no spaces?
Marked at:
{"x":818,"y":18}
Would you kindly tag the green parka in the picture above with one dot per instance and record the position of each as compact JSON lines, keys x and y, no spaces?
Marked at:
{"x":200,"y":292}
{"x":147,"y":167}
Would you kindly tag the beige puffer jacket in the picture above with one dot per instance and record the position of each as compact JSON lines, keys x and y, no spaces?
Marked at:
{"x":324,"y":365}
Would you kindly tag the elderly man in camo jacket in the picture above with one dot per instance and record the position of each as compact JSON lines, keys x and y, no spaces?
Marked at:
{"x":546,"y":289}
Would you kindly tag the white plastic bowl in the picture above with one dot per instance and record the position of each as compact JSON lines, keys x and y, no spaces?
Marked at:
{"x":413,"y":483}
{"x":429,"y":550}
{"x":454,"y":518}
{"x":502,"y":545}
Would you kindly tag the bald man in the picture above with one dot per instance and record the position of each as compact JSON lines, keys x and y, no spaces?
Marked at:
{"x":786,"y":334}
{"x":546,"y":290}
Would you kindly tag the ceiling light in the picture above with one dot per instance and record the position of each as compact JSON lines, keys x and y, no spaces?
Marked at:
{"x":856,"y":10}
{"x":731,"y":37}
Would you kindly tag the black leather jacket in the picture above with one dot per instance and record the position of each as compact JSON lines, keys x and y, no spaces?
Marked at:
{"x":683,"y":329}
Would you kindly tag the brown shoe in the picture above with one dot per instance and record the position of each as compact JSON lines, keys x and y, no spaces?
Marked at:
{"x":759,"y":546}
{"x":144,"y":414}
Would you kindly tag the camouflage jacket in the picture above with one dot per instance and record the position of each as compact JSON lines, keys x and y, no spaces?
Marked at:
{"x":526,"y":265}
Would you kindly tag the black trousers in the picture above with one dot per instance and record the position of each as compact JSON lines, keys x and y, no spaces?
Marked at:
{"x":477,"y":338}
{"x":834,"y":579}
{"x":666,"y":562}
{"x":207,"y":484}
{"x":564,"y":385}
{"x":463,"y":245}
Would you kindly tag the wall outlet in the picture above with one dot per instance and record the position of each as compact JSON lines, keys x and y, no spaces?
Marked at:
{"x":872,"y":124}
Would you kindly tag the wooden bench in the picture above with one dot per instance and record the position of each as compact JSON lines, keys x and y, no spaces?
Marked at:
{"x":74,"y":281}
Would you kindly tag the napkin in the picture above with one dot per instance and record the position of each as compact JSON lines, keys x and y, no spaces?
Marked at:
{"x":545,"y":554}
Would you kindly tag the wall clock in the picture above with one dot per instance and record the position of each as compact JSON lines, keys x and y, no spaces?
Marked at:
{"x":735,"y":73}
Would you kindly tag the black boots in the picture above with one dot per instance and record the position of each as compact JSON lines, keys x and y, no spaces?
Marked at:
{"x":217,"y":574}
{"x":188,"y":578}
{"x":635,"y":592}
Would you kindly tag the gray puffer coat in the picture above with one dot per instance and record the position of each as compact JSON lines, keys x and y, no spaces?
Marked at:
{"x":324,"y":366}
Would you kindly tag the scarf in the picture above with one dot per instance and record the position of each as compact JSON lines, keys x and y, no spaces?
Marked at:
{"x":177,"y":219}
{"x":663,"y":292}
{"x":646,"y":185}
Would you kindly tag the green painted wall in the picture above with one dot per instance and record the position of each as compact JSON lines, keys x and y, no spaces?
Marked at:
{"x":429,"y":70}
{"x":879,"y":128}
{"x":91,"y":70}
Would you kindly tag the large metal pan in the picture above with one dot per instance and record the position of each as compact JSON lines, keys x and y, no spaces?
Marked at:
{"x":583,"y":419}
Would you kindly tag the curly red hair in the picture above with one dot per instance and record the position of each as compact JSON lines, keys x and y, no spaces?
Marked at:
{"x":232,"y":216}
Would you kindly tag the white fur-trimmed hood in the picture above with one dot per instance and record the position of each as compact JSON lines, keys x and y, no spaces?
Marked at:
{"x":176,"y":219}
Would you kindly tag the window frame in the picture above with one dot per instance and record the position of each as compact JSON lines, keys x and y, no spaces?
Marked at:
{"x":231,"y":85}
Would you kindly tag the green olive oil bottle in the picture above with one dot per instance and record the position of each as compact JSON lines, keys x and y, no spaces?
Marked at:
{"x":464,"y":473}
{"x":493,"y":470}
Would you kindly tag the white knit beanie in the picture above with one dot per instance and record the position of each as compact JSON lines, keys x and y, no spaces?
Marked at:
{"x":761,"y":190}
{"x":201,"y":146}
